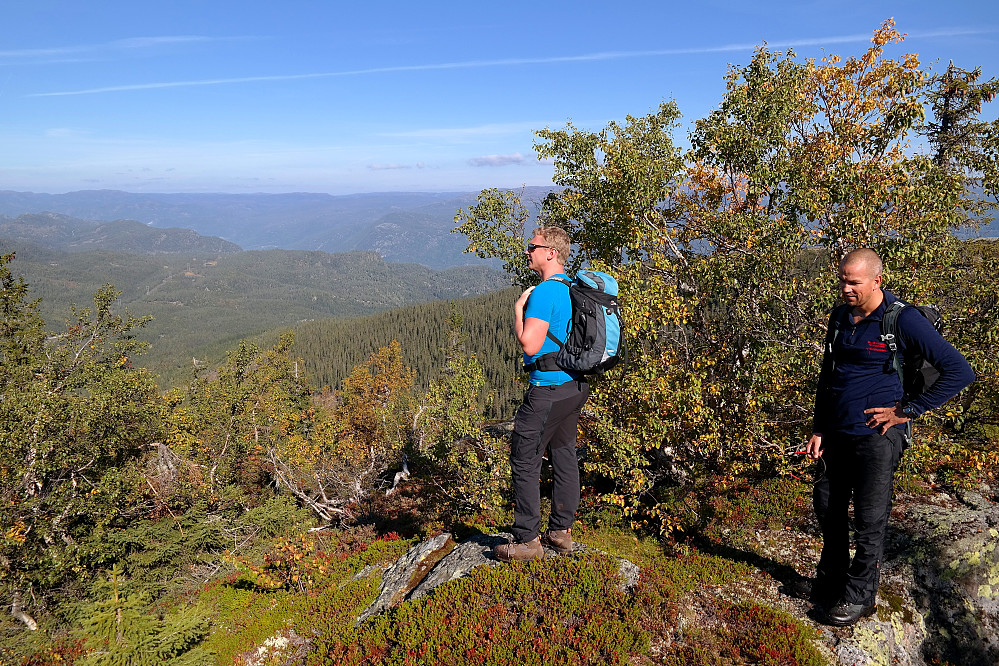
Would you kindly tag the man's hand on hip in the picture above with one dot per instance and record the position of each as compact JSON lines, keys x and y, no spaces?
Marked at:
{"x":882,"y":418}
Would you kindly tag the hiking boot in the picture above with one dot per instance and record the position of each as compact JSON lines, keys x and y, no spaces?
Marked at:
{"x":520,"y":552}
{"x":810,"y":589}
{"x":558,"y":540}
{"x":844,"y":614}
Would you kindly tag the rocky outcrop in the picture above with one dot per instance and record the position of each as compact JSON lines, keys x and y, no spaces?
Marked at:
{"x":474,"y":552}
{"x":938,"y":601}
{"x":399,"y":577}
{"x":440,"y":560}
{"x":940,"y":593}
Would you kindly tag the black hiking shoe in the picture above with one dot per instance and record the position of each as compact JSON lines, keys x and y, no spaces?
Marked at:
{"x":845,"y":615}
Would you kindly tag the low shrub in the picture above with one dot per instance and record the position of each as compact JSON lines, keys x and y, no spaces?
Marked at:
{"x":563,"y":610}
{"x":747,"y":633}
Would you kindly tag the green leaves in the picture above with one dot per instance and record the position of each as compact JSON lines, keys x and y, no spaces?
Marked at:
{"x":618,"y":183}
{"x":495,"y":229}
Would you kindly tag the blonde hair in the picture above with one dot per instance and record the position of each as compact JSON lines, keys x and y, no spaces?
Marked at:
{"x":558,"y":239}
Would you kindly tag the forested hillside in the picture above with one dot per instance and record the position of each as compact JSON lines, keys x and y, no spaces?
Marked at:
{"x":407,"y":227}
{"x":61,"y":232}
{"x":331,"y":348}
{"x":204,"y":304}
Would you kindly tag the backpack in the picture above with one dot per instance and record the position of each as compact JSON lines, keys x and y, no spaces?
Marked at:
{"x":594,"y":342}
{"x":915,"y":372}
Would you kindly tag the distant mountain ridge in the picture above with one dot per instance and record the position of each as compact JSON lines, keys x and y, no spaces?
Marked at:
{"x":70,"y":234}
{"x":409,"y":227}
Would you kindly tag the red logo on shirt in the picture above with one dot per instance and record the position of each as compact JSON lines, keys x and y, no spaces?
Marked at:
{"x":876,"y":346}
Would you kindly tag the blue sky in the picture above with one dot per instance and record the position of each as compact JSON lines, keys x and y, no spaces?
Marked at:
{"x":253,"y":96}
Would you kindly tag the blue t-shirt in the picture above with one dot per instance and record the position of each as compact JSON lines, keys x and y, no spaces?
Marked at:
{"x":550,"y":302}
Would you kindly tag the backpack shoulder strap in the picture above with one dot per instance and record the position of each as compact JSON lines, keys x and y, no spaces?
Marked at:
{"x":836,"y":318}
{"x":546,"y":363}
{"x":889,"y":333}
{"x":889,"y":323}
{"x":548,"y":333}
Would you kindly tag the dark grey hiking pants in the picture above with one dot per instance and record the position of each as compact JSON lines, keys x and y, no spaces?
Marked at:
{"x":861,"y":469}
{"x":548,"y":418}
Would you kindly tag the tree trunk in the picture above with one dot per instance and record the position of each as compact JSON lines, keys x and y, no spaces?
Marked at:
{"x":18,"y":612}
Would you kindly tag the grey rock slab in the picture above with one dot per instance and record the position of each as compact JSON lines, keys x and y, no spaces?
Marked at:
{"x":397,"y":579}
{"x":410,"y":578}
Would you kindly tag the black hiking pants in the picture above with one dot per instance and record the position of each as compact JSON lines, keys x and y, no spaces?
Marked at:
{"x":548,"y":418}
{"x":860,"y":468}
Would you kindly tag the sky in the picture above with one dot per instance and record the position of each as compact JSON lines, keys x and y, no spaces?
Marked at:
{"x":341,"y":98}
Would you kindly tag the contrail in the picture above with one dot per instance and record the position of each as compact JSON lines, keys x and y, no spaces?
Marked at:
{"x":121,"y":44}
{"x":506,"y":62}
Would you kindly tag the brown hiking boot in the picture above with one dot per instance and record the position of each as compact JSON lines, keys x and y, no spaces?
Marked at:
{"x":558,"y":540}
{"x":520,"y":552}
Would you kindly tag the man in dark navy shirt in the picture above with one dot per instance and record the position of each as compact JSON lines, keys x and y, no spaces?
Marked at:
{"x":859,"y":431}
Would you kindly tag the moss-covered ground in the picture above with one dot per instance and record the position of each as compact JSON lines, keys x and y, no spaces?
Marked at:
{"x":712,"y":592}
{"x":700,"y":598}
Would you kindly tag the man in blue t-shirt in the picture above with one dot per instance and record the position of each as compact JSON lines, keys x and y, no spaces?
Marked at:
{"x":549,"y":416}
{"x":858,"y":430}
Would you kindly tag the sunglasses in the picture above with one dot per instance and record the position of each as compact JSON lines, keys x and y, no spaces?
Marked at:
{"x":531,"y":247}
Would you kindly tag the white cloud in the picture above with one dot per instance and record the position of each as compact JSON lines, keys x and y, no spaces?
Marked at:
{"x":497,"y":160}
{"x":387,"y":167}
{"x":128,"y":44}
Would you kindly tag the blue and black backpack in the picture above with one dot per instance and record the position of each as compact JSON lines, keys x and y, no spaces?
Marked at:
{"x":594,"y":338}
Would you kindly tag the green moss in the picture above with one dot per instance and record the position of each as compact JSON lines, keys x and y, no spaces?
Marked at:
{"x":619,"y":541}
{"x":691,"y":569}
{"x":244,"y":618}
{"x":891,"y":603}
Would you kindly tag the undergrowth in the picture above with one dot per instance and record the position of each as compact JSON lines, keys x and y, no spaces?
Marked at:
{"x":747,"y":633}
{"x":564,"y":610}
{"x":296,"y":594}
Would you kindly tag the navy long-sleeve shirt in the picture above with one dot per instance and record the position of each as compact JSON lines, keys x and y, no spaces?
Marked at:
{"x":863,"y":376}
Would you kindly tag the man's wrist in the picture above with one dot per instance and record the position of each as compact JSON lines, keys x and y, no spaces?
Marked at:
{"x":908,"y":410}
